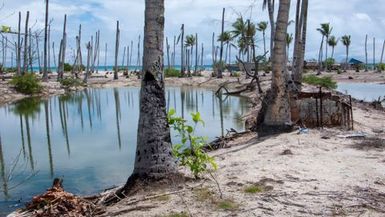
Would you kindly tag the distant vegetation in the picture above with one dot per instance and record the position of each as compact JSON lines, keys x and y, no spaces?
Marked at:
{"x":26,"y":84}
{"x":326,"y":81}
{"x":171,"y":72}
{"x":70,"y":82}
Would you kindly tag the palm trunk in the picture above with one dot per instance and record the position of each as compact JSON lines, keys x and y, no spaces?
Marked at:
{"x":196,"y":54}
{"x":379,"y":68}
{"x":366,"y":53}
{"x":220,"y":69}
{"x":46,"y":44}
{"x":105,"y":58}
{"x":276,"y":116}
{"x":116,"y":50}
{"x":18,"y":52}
{"x":374,"y":54}
{"x":347,"y":58}
{"x":168,"y":53}
{"x":270,"y":8}
{"x":153,"y":156}
{"x":182,"y":52}
{"x":25,"y":65}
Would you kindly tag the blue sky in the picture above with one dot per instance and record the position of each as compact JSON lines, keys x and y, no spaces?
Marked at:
{"x":354,"y":17}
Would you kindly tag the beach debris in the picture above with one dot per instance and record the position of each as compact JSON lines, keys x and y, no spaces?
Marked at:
{"x":57,"y":202}
{"x":378,"y":131}
{"x":287,"y":152}
{"x":373,"y":143}
{"x":353,"y":135}
{"x":303,"y":131}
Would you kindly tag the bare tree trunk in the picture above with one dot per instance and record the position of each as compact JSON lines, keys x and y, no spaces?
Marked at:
{"x":53,"y":51}
{"x":46,"y":43}
{"x":220,"y":70}
{"x":30,"y":50}
{"x":276,"y":114}
{"x":182,"y":52}
{"x":173,"y":58}
{"x":379,"y":68}
{"x":196,"y":54}
{"x":63,"y":50}
{"x":153,"y":156}
{"x":116,"y":50}
{"x":49,"y":50}
{"x":270,"y":8}
{"x":138,"y":58}
{"x":98,"y":53}
{"x":124,"y":57}
{"x":202,"y":54}
{"x":213,"y":52}
{"x":168,"y":54}
{"x":25,"y":66}
{"x":105,"y":58}
{"x":366,"y":53}
{"x":128,"y":57}
{"x":132,"y":48}
{"x":88,"y":62}
{"x":374,"y":54}
{"x":18,"y":52}
{"x":38,"y":54}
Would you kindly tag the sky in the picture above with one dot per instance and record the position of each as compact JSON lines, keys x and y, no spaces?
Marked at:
{"x":354,"y":17}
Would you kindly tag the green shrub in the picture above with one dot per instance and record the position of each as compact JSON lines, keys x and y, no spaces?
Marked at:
{"x":219,"y":65}
{"x":70,"y":82}
{"x":326,"y":81}
{"x":381,"y":66}
{"x":171,"y":72}
{"x":26,"y":84}
{"x":190,"y":151}
{"x":67,"y":67}
{"x":236,"y":74}
{"x":329,"y":63}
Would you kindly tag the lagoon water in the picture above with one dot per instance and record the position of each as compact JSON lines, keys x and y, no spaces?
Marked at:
{"x":88,"y":138}
{"x":363,"y":91}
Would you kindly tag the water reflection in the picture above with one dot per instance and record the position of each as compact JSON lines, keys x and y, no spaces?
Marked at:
{"x":89,"y":137}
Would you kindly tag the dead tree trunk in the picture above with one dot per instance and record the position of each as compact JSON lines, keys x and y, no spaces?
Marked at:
{"x":25,"y":65}
{"x":379,"y":68}
{"x":18,"y":51}
{"x":182,"y":52}
{"x":46,"y":43}
{"x":220,"y":69}
{"x":116,"y":50}
{"x":196,"y":54}
{"x":202,"y":53}
{"x":105,"y":58}
{"x":89,"y":54}
{"x":374,"y":54}
{"x":38,"y":54}
{"x":366,"y":53}
{"x":168,"y":53}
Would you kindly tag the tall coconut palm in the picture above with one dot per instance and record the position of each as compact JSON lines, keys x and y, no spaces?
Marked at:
{"x":332,"y":42}
{"x":269,"y":4}
{"x":325,"y":31}
{"x":262,"y":26}
{"x":190,"y":43}
{"x":289,"y":40}
{"x":346,"y":40}
{"x":153,"y":156}
{"x":276,"y":115}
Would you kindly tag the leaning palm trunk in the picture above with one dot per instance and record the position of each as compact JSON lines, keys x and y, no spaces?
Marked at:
{"x":153,"y":156}
{"x":275,"y":114}
{"x":347,"y":57}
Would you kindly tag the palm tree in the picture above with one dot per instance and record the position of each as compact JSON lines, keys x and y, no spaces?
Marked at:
{"x":226,"y":38}
{"x":332,"y":42}
{"x":346,"y":40}
{"x":276,"y":115}
{"x":270,"y":7}
{"x":190,"y":42}
{"x":262,"y":26}
{"x":325,"y":31}
{"x":153,"y":156}
{"x":289,"y":39}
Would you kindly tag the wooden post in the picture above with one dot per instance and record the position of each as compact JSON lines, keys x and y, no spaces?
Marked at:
{"x":116,"y":51}
{"x":25,"y":65}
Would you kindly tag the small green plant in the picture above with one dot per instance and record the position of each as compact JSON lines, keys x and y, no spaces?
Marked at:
{"x":227,"y":204}
{"x":26,"y":84}
{"x":203,"y":194}
{"x":326,"y":81}
{"x":190,"y":151}
{"x":252,"y":189}
{"x":171,"y":72}
{"x":329,"y":62}
{"x":70,"y":82}
{"x":236,"y":74}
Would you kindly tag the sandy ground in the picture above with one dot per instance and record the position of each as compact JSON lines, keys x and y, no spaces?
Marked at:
{"x":321,"y":175}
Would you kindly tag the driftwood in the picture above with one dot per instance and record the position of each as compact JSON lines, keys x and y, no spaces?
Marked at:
{"x":221,"y":142}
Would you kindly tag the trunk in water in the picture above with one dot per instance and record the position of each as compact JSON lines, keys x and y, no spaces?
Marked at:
{"x":153,"y":157}
{"x":275,"y":113}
